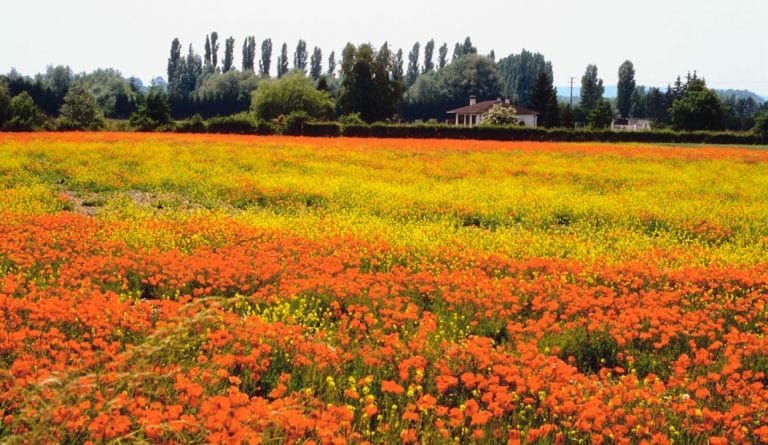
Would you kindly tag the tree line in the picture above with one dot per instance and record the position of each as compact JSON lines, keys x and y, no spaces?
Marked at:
{"x":366,"y":83}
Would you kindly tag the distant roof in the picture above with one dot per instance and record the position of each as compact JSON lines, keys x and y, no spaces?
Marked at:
{"x":484,"y":106}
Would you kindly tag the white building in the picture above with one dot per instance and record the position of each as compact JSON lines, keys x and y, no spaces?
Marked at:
{"x":473,"y":114}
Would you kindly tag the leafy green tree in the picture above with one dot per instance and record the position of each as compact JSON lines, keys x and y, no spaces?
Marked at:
{"x":112,"y":92}
{"x":468,"y":47}
{"x":154,"y":112}
{"x":699,"y":108}
{"x":58,"y":79}
{"x":347,"y":59}
{"x":215,"y":50}
{"x":300,"y":57}
{"x":316,"y":64}
{"x":229,"y":55}
{"x":601,"y":114}
{"x":266,"y":57}
{"x":442,"y":58}
{"x":282,"y":61}
{"x":439,"y":91}
{"x":80,"y":110}
{"x":567,"y":117}
{"x":499,"y":116}
{"x":761,"y":125}
{"x":413,"y":65}
{"x":23,"y":114}
{"x":5,"y":100}
{"x":249,"y":54}
{"x":625,"y":89}
{"x":429,"y":51}
{"x":332,"y":64}
{"x":637,"y":102}
{"x":591,"y":89}
{"x":292,"y":93}
{"x":656,"y":105}
{"x":519,"y":73}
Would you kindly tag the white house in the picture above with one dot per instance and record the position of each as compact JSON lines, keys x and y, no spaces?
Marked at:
{"x":474,"y":113}
{"x":631,"y":124}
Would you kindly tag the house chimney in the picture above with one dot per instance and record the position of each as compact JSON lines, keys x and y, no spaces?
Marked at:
{"x":506,"y":101}
{"x":472,"y":100}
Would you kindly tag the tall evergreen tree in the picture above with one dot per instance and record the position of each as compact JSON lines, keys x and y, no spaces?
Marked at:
{"x":637,"y":103}
{"x":282,"y":61}
{"x":429,"y":51}
{"x":332,"y":64}
{"x":442,"y":58}
{"x":591,"y":89}
{"x":656,"y":105}
{"x":413,"y":65}
{"x":229,"y":55}
{"x":300,"y":56}
{"x":249,"y":54}
{"x":467,"y":47}
{"x":266,"y":57}
{"x":215,"y":49}
{"x":316,"y":64}
{"x":625,"y":88}
{"x":543,"y":100}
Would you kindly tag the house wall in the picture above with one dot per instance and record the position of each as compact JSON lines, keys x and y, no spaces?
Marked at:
{"x":529,"y":120}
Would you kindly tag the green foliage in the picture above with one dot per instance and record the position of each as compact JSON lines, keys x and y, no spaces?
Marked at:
{"x":591,"y":89}
{"x":439,"y":91}
{"x":5,"y":101}
{"x":637,"y":103}
{"x":282,"y":61}
{"x":626,"y":87}
{"x":294,"y":122}
{"x":442,"y":58}
{"x":241,"y":123}
{"x":368,"y":86}
{"x":413,"y":65}
{"x":332,"y":64}
{"x":429,"y":51}
{"x":519,"y":73}
{"x":294,"y":92}
{"x":699,"y":108}
{"x":499,"y":116}
{"x":233,"y":85}
{"x":543,"y":100}
{"x":229,"y":55}
{"x":761,"y":125}
{"x":155,"y":111}
{"x":194,"y":124}
{"x":23,"y":114}
{"x":80,"y":110}
{"x":249,"y":54}
{"x":316,"y":64}
{"x":601,"y":115}
{"x":351,"y":119}
{"x":266,"y":58}
{"x":112,"y":92}
{"x":300,"y":57}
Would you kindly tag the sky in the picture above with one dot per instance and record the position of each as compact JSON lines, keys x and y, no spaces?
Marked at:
{"x":726,"y":42}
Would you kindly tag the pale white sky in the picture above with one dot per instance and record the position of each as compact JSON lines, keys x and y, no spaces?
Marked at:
{"x":726,"y":41}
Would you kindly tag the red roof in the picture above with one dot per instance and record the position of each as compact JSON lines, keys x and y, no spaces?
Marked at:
{"x":484,"y":106}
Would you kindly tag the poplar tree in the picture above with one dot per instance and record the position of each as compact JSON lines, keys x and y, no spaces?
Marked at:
{"x":591,"y":89}
{"x":249,"y":54}
{"x":300,"y":56}
{"x":316,"y":64}
{"x":266,"y":57}
{"x":429,"y":51}
{"x":413,"y":65}
{"x":625,"y":88}
{"x":442,"y":58}
{"x":229,"y":55}
{"x":282,"y":61}
{"x":332,"y":64}
{"x":214,"y":49}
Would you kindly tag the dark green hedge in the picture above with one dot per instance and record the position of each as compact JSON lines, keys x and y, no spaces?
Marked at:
{"x":243,"y":124}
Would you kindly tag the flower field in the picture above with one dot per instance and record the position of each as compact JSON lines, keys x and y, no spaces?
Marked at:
{"x":170,"y":288}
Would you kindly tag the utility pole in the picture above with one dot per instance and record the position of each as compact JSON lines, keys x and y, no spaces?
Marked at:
{"x":571,"y":92}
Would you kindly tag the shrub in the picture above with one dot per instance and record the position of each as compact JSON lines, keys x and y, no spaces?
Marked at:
{"x":761,"y":126}
{"x":500,"y":116}
{"x":351,"y":119}
{"x":292,"y":93}
{"x":194,"y":124}
{"x":294,"y":123}
{"x":23,"y":114}
{"x":241,"y":123}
